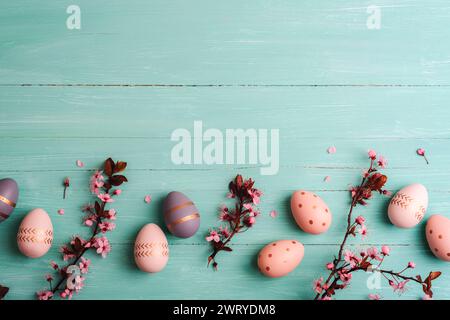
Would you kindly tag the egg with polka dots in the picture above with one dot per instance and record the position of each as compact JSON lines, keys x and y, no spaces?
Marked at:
{"x":310,"y":212}
{"x":438,"y":236}
{"x":279,"y":258}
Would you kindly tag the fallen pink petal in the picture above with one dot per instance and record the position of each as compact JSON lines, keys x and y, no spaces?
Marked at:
{"x":421,"y":152}
{"x":148,"y":199}
{"x":273,"y":214}
{"x":327,"y":179}
{"x":61,"y":212}
{"x":331,"y":150}
{"x":80,"y":164}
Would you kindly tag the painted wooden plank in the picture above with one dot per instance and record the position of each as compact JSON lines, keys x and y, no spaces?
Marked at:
{"x":208,"y":191}
{"x":227,"y":42}
{"x":327,"y":113}
{"x":186,"y":275}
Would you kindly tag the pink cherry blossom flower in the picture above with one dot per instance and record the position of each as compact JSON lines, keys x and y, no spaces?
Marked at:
{"x":117,"y":192}
{"x":67,"y":293}
{"x":148,"y":199}
{"x":363,"y":231}
{"x":80,"y":164}
{"x":105,"y":197}
{"x":373,"y":296}
{"x":61,"y":212}
{"x":351,"y":258}
{"x":330,"y":266}
{"x":111,"y":214}
{"x":106,"y":226}
{"x":213,"y":236}
{"x":385,"y":250}
{"x":411,"y":265}
{"x":273,"y":214}
{"x":84,"y":265}
{"x":331,"y":150}
{"x":44,"y":295}
{"x":382,"y":162}
{"x":255,"y":194}
{"x":427,"y":297}
{"x":224,"y":231}
{"x":103,"y":246}
{"x":399,"y":287}
{"x":89,"y":220}
{"x":224,"y":214}
{"x":54,"y":265}
{"x":421,"y":152}
{"x":373,"y":253}
{"x":345,"y":276}
{"x":372,"y":154}
{"x":67,"y":253}
{"x":360,"y":220}
{"x":317,"y":285}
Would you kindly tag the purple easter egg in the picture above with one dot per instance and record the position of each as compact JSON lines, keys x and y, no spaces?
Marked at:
{"x":9,"y":193}
{"x":181,"y":215}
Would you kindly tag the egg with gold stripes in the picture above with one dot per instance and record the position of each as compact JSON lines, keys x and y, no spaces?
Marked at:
{"x":181,"y":215}
{"x":35,"y":235}
{"x":9,"y":194}
{"x":151,"y":250}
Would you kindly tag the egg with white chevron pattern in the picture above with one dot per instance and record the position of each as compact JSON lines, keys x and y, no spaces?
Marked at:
{"x":35,"y":235}
{"x":408,"y":207}
{"x":151,"y":250}
{"x":9,"y":193}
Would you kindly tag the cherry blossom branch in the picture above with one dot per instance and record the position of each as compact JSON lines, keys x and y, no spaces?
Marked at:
{"x":99,"y":219}
{"x":238,"y":220}
{"x":347,"y":262}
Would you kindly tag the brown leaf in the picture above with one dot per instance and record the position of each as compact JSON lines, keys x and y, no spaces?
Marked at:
{"x":109,"y":167}
{"x":77,"y":245}
{"x":98,"y":208}
{"x":3,"y":291}
{"x":434,"y":275}
{"x":227,"y":249}
{"x":120,"y":166}
{"x":117,"y":180}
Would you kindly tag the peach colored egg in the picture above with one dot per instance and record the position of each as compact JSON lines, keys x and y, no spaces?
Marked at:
{"x":310,"y":212}
{"x":35,"y":235}
{"x":151,"y":250}
{"x":279,"y":258}
{"x":438,"y":236}
{"x":408,"y":207}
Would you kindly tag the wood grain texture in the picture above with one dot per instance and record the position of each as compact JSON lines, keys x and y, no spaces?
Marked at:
{"x":137,"y":70}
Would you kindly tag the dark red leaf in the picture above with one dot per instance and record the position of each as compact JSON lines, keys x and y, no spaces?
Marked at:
{"x":418,"y":277}
{"x":109,"y":167}
{"x":77,"y":245}
{"x":227,"y":249}
{"x":3,"y":291}
{"x":98,"y":208}
{"x":434,"y":275}
{"x":117,"y":180}
{"x":120,"y":166}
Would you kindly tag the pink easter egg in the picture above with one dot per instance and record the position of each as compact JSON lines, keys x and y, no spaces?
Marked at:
{"x":310,"y":212}
{"x":279,"y":258}
{"x":408,"y":207}
{"x":151,"y":250}
{"x":438,"y":236}
{"x":35,"y":235}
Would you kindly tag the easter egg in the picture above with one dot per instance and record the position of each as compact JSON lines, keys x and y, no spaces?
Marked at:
{"x":9,"y":193}
{"x":408,"y":206}
{"x":310,"y":212}
{"x":151,"y":250}
{"x":181,"y":215}
{"x":279,"y":258}
{"x":35,"y":235}
{"x":438,"y":236}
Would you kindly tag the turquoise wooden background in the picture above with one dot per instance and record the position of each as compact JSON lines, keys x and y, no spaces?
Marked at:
{"x":139,"y":69}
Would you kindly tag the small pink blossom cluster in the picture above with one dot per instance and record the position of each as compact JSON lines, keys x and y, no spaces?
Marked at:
{"x":238,"y":219}
{"x":104,"y":184}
